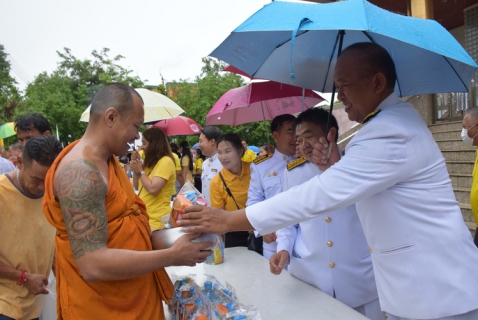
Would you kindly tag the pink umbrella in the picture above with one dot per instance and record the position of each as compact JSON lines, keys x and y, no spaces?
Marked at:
{"x":260,"y":101}
{"x":179,"y":126}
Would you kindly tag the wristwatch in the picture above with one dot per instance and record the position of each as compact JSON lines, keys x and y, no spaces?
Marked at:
{"x":140,"y":174}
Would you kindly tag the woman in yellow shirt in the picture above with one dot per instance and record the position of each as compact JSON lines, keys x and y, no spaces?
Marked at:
{"x":198,"y":160}
{"x":237,"y":175}
{"x":156,"y":181}
{"x":186,"y":162}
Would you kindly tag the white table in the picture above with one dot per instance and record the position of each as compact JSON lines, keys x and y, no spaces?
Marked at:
{"x":277,"y":297}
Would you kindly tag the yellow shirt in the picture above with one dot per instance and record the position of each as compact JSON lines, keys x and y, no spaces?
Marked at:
{"x":176,"y":162}
{"x":248,"y":156}
{"x":474,"y":191}
{"x":189,"y":174}
{"x":198,"y":162}
{"x":237,"y":184}
{"x":159,"y":204}
{"x":27,"y":243}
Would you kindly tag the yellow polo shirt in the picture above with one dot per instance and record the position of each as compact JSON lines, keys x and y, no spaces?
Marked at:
{"x":198,"y":162}
{"x":248,"y":156}
{"x":237,"y":184}
{"x":474,"y":191}
{"x":159,"y":204}
{"x":176,"y":162}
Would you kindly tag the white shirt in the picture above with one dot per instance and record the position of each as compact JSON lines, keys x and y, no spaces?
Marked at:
{"x":329,"y":252}
{"x":266,"y":182}
{"x":210,"y":167}
{"x":424,"y":258}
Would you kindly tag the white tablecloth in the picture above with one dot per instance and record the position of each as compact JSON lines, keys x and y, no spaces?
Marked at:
{"x":277,"y":297}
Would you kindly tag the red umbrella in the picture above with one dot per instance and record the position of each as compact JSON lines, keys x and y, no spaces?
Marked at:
{"x":179,"y":126}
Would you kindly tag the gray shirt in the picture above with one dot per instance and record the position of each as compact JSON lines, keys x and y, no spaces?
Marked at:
{"x":5,"y":166}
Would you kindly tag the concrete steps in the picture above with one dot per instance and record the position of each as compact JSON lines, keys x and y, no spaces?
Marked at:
{"x":460,"y":161}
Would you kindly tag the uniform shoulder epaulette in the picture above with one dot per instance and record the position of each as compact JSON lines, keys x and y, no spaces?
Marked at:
{"x":261,"y":158}
{"x":297,"y":162}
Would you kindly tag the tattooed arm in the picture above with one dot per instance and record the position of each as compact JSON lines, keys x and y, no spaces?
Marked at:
{"x":81,"y":191}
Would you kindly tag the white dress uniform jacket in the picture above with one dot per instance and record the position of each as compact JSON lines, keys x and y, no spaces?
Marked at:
{"x":266,"y":182}
{"x":424,"y":259}
{"x":329,"y":252}
{"x":210,"y":167}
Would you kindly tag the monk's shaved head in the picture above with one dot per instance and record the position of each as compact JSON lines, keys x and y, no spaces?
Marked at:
{"x":113,"y":95}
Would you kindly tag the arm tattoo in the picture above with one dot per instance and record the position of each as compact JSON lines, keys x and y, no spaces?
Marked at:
{"x":81,"y":191}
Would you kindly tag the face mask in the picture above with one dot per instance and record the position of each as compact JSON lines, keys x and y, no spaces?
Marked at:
{"x":464,"y":136}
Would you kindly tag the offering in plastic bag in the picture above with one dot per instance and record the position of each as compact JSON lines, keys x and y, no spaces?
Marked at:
{"x":217,"y":255}
{"x":187,"y":196}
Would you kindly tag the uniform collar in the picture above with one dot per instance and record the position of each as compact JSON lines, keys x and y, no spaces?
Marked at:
{"x":213,"y":158}
{"x":280,"y":156}
{"x":228,"y":176}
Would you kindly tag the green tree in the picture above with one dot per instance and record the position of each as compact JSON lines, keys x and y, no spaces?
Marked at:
{"x":198,"y":98}
{"x":64,"y":94}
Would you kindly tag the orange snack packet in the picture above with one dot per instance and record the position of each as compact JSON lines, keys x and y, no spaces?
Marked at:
{"x":179,"y":204}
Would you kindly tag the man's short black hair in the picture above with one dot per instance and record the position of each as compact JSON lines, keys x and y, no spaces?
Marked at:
{"x":278,"y":121}
{"x":42,"y":149}
{"x":117,"y":95}
{"x":244,"y":140}
{"x":33,"y":120}
{"x":212,"y":132}
{"x":374,"y":59}
{"x":317,"y":116}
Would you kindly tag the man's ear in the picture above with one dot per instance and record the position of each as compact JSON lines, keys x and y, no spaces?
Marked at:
{"x":334,"y":133}
{"x":20,"y":163}
{"x":111,"y":116}
{"x":379,"y":82}
{"x":275,"y":135}
{"x":47,"y":133}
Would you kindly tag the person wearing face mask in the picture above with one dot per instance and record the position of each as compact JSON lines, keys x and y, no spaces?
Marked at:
{"x":469,"y":134}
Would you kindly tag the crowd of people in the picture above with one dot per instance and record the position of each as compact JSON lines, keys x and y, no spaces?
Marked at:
{"x":375,"y":226}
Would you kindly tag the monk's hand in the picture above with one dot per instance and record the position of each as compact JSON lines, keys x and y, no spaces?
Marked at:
{"x":268,"y":238}
{"x":187,"y":253}
{"x":278,"y":261}
{"x":204,"y":219}
{"x":325,"y":152}
{"x":36,"y":283}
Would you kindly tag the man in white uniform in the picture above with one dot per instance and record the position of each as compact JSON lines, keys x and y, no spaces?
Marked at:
{"x":330,"y":252}
{"x":423,"y":255}
{"x":267,"y":172}
{"x":211,"y":166}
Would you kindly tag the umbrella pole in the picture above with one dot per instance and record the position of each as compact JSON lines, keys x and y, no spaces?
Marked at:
{"x":264,"y":121}
{"x":303,"y":98}
{"x":339,"y":51}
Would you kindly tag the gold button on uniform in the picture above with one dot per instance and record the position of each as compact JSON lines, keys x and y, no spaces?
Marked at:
{"x":328,"y":219}
{"x":331,"y":264}
{"x":330,"y":243}
{"x":370,"y":249}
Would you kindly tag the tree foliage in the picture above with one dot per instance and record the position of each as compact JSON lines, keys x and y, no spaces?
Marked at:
{"x":64,"y":94}
{"x":199,"y":97}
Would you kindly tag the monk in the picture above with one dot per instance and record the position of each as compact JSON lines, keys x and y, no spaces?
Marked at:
{"x":105,"y":264}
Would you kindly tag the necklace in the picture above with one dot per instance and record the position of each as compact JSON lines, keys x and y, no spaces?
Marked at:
{"x":18,"y":180}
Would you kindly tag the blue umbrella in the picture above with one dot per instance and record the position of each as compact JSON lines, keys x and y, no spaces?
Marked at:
{"x":195,"y":146}
{"x":298,"y":44}
{"x":253,"y":148}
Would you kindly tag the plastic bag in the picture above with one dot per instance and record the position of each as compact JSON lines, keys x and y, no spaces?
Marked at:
{"x":187,"y":196}
{"x":47,"y":302}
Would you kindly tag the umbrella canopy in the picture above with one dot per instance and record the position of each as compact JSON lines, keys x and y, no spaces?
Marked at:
{"x":259,"y":101}
{"x":195,"y":146}
{"x":298,"y":44}
{"x":179,"y":126}
{"x":253,"y":148}
{"x":7,"y":130}
{"x":156,"y":107}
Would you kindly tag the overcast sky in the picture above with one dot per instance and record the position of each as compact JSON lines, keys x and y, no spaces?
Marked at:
{"x":152,"y":34}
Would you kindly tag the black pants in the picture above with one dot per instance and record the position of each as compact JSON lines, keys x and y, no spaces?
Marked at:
{"x":198,"y":183}
{"x":476,"y":237}
{"x":236,"y":239}
{"x":2,"y":317}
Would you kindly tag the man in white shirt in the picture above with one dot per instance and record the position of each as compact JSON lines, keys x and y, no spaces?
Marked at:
{"x":423,"y":255}
{"x":211,"y":166}
{"x":330,"y":252}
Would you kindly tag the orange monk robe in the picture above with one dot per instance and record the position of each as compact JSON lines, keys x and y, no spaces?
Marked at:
{"x":128,"y":228}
